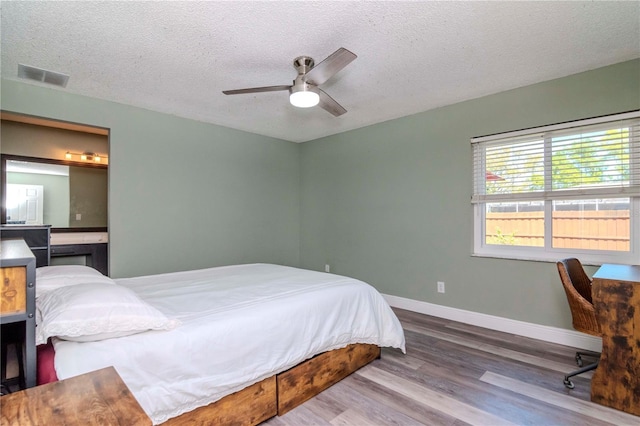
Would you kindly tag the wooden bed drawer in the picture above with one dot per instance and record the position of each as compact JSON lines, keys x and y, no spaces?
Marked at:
{"x":280,"y":393}
{"x":308,"y":379}
{"x":250,"y":406}
{"x":13,"y":294}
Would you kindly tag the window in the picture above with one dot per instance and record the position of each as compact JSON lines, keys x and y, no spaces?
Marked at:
{"x":570,"y":189}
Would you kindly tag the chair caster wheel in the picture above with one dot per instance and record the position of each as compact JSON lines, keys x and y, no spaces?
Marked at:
{"x":569,"y":384}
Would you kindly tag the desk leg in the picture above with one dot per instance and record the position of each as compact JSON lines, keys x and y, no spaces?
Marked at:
{"x":616,"y":381}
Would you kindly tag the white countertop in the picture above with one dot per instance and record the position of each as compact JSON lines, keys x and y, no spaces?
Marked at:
{"x":58,"y":239}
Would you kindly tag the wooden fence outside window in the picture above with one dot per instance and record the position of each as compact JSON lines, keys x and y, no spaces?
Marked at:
{"x":593,"y":230}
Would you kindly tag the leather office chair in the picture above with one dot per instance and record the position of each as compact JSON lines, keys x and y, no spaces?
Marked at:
{"x":577,"y":286}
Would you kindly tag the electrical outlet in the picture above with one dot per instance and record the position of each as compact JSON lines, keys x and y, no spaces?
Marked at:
{"x":327,"y":268}
{"x":78,"y":216}
{"x":440,"y":286}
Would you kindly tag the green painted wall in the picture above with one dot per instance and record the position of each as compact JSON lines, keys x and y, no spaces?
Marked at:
{"x":390,"y":203}
{"x":88,"y":197}
{"x":183,"y":194}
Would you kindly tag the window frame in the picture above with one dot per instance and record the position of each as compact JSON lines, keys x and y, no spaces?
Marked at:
{"x":547,"y":252}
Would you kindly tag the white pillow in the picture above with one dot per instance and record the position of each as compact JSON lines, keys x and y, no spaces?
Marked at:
{"x":52,"y":277}
{"x":74,"y":270}
{"x":96,"y":311}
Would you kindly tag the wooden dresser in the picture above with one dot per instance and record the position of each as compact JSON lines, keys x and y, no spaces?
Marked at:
{"x":97,"y":398}
{"x":18,"y":297}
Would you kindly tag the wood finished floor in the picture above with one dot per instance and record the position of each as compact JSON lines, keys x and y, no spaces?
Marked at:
{"x":457,"y":374}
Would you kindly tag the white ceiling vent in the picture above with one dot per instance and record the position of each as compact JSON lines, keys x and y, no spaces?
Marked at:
{"x":42,"y":75}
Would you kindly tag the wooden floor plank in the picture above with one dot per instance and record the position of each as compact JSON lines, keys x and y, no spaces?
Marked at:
{"x":405,"y":360}
{"x":472,"y":391}
{"x":457,"y":375}
{"x":596,"y":411}
{"x":326,"y":407}
{"x":386,"y":397}
{"x":368,"y":405}
{"x":433,"y":399}
{"x":301,"y":415}
{"x":496,"y":350}
{"x":350,"y":417}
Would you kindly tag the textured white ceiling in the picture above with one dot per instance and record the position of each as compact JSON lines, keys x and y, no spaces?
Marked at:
{"x":177,"y":57}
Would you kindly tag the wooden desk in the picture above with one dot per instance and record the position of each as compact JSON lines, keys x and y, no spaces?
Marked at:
{"x":616,"y":298}
{"x":97,"y":398}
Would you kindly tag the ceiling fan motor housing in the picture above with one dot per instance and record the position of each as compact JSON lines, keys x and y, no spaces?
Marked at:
{"x":301,"y":86}
{"x":303,"y":64}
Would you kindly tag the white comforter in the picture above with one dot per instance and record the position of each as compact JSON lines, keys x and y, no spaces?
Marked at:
{"x":239,"y":325}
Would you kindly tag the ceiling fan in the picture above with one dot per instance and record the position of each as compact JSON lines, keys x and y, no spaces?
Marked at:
{"x":304,"y":92}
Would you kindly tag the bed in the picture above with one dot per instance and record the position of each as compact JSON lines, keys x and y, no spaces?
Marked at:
{"x":248,"y":341}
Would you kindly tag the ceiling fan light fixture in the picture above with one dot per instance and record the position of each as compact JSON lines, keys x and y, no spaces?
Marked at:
{"x":303,"y":96}
{"x":304,"y":92}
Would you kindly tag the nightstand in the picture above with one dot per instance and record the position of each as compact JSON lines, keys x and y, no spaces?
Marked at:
{"x":18,"y":300}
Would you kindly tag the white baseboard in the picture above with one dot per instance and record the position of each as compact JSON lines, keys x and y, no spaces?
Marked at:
{"x":535,"y":331}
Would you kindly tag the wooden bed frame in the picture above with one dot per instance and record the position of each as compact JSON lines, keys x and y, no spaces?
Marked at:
{"x":280,"y":393}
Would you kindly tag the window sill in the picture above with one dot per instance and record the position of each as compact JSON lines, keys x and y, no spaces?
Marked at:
{"x":585,"y":258}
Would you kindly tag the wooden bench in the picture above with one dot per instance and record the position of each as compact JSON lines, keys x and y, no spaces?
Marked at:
{"x":98,"y":398}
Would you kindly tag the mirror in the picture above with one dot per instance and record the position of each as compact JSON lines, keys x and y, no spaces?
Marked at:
{"x":62,"y":194}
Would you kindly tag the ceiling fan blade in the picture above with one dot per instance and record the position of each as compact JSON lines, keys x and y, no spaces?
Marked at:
{"x":329,"y":104}
{"x":256,"y":90}
{"x":331,"y":65}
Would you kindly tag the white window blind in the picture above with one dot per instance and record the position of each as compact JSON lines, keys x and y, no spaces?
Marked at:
{"x":590,"y":158}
